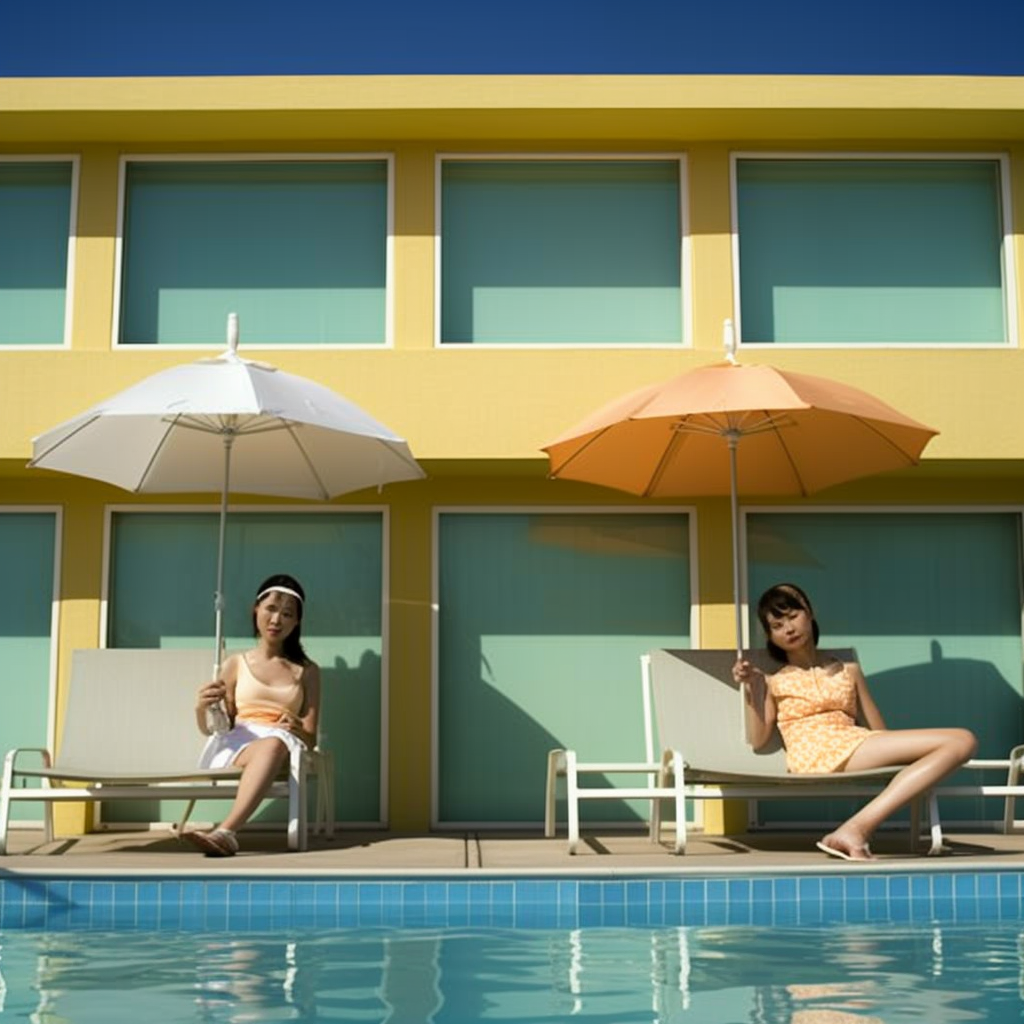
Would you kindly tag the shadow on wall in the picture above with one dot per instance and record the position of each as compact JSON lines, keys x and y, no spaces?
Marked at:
{"x":508,"y":785}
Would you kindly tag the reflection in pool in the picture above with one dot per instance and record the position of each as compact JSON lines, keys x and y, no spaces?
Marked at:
{"x":705,"y":975}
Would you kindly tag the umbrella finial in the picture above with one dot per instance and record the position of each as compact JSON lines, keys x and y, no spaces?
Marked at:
{"x":729,"y":341}
{"x":233,"y":333}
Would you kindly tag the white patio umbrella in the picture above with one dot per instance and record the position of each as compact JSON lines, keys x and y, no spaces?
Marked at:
{"x":228,"y":424}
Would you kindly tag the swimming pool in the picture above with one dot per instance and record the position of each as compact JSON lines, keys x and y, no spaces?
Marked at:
{"x":817,"y":949}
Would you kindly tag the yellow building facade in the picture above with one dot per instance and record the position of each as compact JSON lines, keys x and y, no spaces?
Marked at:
{"x":476,"y":415}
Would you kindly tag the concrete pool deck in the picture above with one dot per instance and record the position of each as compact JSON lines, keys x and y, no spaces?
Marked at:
{"x":477,"y":852}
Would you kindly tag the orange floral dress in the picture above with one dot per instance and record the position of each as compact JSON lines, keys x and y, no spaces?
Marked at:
{"x":816,"y":711}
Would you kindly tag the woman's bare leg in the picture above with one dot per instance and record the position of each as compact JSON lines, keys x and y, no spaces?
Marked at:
{"x":260,"y":762}
{"x":929,"y":754}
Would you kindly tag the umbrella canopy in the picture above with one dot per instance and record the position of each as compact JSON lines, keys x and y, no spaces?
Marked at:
{"x":732,"y":429}
{"x":228,"y":424}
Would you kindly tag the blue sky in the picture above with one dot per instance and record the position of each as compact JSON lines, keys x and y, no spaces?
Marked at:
{"x":231,"y":37}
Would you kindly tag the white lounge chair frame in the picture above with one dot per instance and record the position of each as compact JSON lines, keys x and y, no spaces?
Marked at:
{"x":704,"y":756}
{"x":129,"y":733}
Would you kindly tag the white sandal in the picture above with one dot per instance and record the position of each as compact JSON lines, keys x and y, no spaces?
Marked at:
{"x":221,"y":842}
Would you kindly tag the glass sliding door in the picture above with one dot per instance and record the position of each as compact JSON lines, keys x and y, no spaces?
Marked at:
{"x":542,"y":620}
{"x":28,"y":551}
{"x":162,"y":575}
{"x":930,"y":600}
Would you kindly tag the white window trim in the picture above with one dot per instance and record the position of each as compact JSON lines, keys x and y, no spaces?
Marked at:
{"x":384,"y":511}
{"x":435,"y":618}
{"x":1008,"y":260}
{"x":685,"y":249}
{"x":72,"y":246}
{"x":389,"y":247}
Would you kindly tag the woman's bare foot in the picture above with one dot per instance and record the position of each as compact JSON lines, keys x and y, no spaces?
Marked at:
{"x":847,"y":846}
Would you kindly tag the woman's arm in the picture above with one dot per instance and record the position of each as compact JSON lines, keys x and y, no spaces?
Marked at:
{"x":867,"y":708}
{"x":760,"y":705}
{"x":304,"y":725}
{"x":220,"y":689}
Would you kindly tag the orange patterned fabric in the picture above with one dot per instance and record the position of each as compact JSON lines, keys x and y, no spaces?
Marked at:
{"x":816,"y":715}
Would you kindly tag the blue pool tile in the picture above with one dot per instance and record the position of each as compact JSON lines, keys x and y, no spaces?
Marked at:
{"x":943,"y":909}
{"x":717,"y":891}
{"x":763,"y":891}
{"x":502,"y":894}
{"x":568,"y":893}
{"x":458,"y":893}
{"x":899,"y":887}
{"x":942,"y":886}
{"x":899,"y":909}
{"x":637,"y":894}
{"x":637,"y":914}
{"x":762,"y":913}
{"x":785,"y":890}
{"x":614,"y":915}
{"x":786,"y":912}
{"x":988,"y":885}
{"x":590,"y":893}
{"x":921,"y":887}
{"x":739,"y":890}
{"x":965,"y":886}
{"x":590,"y":916}
{"x":694,"y":895}
{"x":613,"y":892}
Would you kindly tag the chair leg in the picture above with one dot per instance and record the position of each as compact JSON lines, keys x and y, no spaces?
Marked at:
{"x":183,"y":821}
{"x":298,"y":830}
{"x":1012,"y":779}
{"x":572,"y":798}
{"x":556,"y":767}
{"x":936,"y":847}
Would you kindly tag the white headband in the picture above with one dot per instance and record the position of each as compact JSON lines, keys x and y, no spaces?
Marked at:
{"x":279,"y":590}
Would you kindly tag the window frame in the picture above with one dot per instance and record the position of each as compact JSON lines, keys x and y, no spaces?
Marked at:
{"x":437,"y":512}
{"x":233,"y":511}
{"x":1007,"y":241}
{"x":74,"y":159}
{"x":685,"y":246}
{"x":256,"y":158}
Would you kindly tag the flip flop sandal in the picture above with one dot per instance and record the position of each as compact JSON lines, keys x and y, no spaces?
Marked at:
{"x":834,"y":851}
{"x":218,"y":843}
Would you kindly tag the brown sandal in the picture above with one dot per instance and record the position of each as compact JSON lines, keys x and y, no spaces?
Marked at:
{"x":218,"y":843}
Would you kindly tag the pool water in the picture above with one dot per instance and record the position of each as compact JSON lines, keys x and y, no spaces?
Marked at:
{"x":705,"y":974}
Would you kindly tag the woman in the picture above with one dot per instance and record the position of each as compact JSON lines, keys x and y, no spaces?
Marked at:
{"x":272,"y":698}
{"x":816,"y":702}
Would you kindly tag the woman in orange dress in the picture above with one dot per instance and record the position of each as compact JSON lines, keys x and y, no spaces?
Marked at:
{"x":272,"y":697}
{"x":817,"y":703}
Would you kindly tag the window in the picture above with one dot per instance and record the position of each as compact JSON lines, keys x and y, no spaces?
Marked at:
{"x":872,"y":251}
{"x":930,"y":600}
{"x":163,"y":575}
{"x":35,"y":229}
{"x":299,"y":249}
{"x":543,"y":618}
{"x":580,"y":252}
{"x":28,"y":550}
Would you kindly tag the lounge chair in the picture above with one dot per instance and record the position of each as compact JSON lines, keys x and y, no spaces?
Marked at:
{"x":129,"y":733}
{"x":699,"y":712}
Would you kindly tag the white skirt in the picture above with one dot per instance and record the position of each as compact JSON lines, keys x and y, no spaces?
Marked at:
{"x":221,"y":750}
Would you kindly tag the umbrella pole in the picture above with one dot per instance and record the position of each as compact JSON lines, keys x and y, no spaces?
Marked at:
{"x":217,"y":720}
{"x":218,"y":597}
{"x":732,"y":438}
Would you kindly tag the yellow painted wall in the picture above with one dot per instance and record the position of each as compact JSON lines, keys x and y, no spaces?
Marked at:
{"x":478,"y":417}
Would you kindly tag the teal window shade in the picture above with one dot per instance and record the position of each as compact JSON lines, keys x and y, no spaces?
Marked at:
{"x":561,"y":252}
{"x":163,"y":576}
{"x":930,"y":601}
{"x":297,"y":249}
{"x":35,"y":226}
{"x":543,"y":618}
{"x":26,"y":645}
{"x":871,"y":251}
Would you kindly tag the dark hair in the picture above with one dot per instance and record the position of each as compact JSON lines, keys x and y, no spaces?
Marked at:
{"x":777,"y":600}
{"x":292,"y":646}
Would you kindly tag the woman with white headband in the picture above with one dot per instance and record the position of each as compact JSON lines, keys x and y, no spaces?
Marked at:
{"x":272,"y":697}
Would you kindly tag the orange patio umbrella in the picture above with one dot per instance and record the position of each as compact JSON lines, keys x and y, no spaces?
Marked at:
{"x":732,"y":429}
